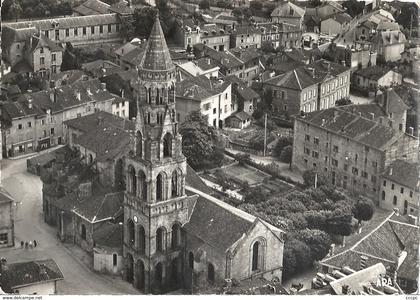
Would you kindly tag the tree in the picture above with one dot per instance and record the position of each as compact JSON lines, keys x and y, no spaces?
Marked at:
{"x":286,"y":154}
{"x":267,"y":47}
{"x":69,"y":61}
{"x":282,"y":142}
{"x":143,"y":20}
{"x":319,"y":241}
{"x":255,"y":195}
{"x":256,"y":5}
{"x":343,"y":101}
{"x":354,"y":7}
{"x":302,"y":254}
{"x":204,"y":4}
{"x":309,"y":178}
{"x":199,"y":142}
{"x":15,"y":11}
{"x":363,"y":210}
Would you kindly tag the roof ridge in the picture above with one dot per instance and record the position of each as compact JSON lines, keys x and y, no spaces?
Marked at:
{"x":297,"y":78}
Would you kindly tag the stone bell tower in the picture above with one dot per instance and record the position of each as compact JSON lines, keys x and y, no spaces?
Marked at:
{"x":155,"y":204}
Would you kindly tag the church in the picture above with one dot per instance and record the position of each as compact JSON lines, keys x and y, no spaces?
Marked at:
{"x":175,"y":235}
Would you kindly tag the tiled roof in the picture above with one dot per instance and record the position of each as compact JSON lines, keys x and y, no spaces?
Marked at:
{"x":124,"y":49}
{"x":386,"y":25}
{"x":403,"y":172}
{"x":67,"y":22}
{"x":357,"y":128}
{"x":242,"y":30}
{"x":100,"y":206}
{"x":215,"y":225}
{"x":68,"y":77}
{"x":92,"y":121}
{"x":92,"y":7}
{"x":20,"y":109}
{"x":219,"y":224}
{"x":212,"y":30}
{"x":341,"y":18}
{"x":205,"y":63}
{"x":372,"y":72}
{"x":241,"y":115}
{"x":5,"y":197}
{"x":384,"y":244}
{"x":245,"y":55}
{"x":297,"y":79}
{"x":90,"y":90}
{"x":241,"y":88}
{"x":224,"y":59}
{"x":288,"y":9}
{"x":156,"y":53}
{"x":109,"y":235}
{"x":193,"y":180}
{"x":29,"y":273}
{"x":200,"y":87}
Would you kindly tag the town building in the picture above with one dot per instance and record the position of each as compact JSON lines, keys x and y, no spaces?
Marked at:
{"x":288,"y":13}
{"x":7,"y":228}
{"x":91,"y":7}
{"x":335,"y":24}
{"x":35,"y":121}
{"x":374,"y":77}
{"x":308,"y":88}
{"x":400,"y":188}
{"x":353,"y":58}
{"x":38,"y":277}
{"x":243,"y":97}
{"x":394,"y":243}
{"x":352,"y":151}
{"x":213,"y":98}
{"x":328,"y":9}
{"x":283,"y":35}
{"x":203,"y":66}
{"x":215,"y":37}
{"x":239,"y":120}
{"x":245,"y":37}
{"x":389,"y":44}
{"x":79,"y":30}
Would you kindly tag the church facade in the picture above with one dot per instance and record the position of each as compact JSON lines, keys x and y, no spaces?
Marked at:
{"x":176,"y":236}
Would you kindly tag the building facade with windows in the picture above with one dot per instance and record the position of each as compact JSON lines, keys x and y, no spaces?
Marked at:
{"x":351,"y":150}
{"x":245,"y":37}
{"x":78,"y":30}
{"x":7,"y":228}
{"x":35,"y":121}
{"x":283,"y":35}
{"x":400,"y":187}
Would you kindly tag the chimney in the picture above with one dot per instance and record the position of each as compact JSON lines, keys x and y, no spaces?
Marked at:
{"x":78,"y":95}
{"x":381,"y":120}
{"x":53,"y":96}
{"x":52,"y":84}
{"x":390,"y":172}
{"x":103,"y":86}
{"x":30,"y":103}
{"x":411,"y":130}
{"x":122,"y":93}
{"x":208,"y":61}
{"x":372,"y":116}
{"x":3,"y":265}
{"x":363,"y":262}
{"x":360,"y":113}
{"x":99,"y":120}
{"x":323,"y":123}
{"x":85,"y":190}
{"x":335,"y":115}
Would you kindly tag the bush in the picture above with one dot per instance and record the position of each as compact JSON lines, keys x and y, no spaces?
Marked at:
{"x":286,"y":154}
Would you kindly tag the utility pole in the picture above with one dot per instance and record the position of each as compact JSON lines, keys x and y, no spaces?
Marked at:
{"x":411,"y":22}
{"x":265,"y":132}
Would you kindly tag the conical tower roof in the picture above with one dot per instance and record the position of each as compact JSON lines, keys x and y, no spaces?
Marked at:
{"x":156,"y":55}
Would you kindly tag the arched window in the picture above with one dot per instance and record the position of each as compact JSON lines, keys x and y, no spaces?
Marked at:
{"x":167,"y":145}
{"x":139,"y":144}
{"x":383,"y":195}
{"x":257,"y":255}
{"x":142,"y":239}
{"x":83,"y":232}
{"x":148,"y":118}
{"x":160,"y":239}
{"x":175,"y":184}
{"x":114,"y":259}
{"x":142,"y":185}
{"x":130,"y":268}
{"x":131,"y":232}
{"x":159,"y":188}
{"x":150,"y":96}
{"x":132,"y":179}
{"x":140,"y":275}
{"x":159,"y":273}
{"x":158,"y":96}
{"x":176,"y":236}
{"x":210,"y":272}
{"x":191,"y":260}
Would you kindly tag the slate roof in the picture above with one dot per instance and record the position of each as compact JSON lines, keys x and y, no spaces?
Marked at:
{"x":205,"y":63}
{"x":354,"y":127}
{"x":100,"y":206}
{"x":288,"y":9}
{"x":67,"y":22}
{"x":212,"y":30}
{"x":156,"y":54}
{"x":28,"y":273}
{"x":244,"y":30}
{"x":245,"y":55}
{"x":10,"y":35}
{"x":297,"y":79}
{"x":404,"y":173}
{"x":92,"y":7}
{"x":240,"y":88}
{"x":193,"y":180}
{"x":68,"y":77}
{"x":383,"y":245}
{"x":200,"y":88}
{"x":224,"y":59}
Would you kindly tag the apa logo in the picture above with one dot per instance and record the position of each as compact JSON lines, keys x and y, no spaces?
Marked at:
{"x":384,"y":281}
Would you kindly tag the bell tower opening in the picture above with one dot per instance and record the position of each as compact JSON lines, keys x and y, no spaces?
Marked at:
{"x":167,"y":145}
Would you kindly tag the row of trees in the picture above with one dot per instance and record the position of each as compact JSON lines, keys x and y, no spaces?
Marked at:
{"x":311,"y":218}
{"x":15,"y":9}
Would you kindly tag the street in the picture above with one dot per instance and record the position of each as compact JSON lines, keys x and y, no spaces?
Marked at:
{"x":79,"y":278}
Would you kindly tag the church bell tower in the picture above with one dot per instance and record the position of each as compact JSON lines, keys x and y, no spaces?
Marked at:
{"x":155,"y":203}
